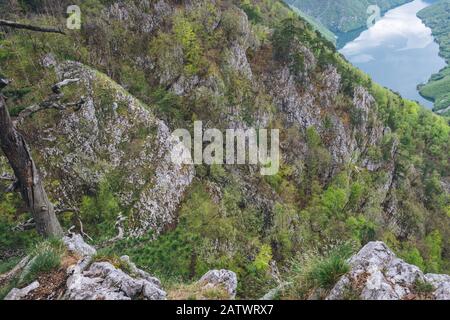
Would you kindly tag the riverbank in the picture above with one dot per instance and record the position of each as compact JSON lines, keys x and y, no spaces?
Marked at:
{"x":398,"y":52}
{"x":437,"y":89}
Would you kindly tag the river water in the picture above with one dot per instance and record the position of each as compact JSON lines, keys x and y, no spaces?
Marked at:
{"x":398,"y":52}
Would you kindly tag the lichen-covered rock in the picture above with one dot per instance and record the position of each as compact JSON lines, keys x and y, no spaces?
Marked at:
{"x":377,"y":274}
{"x":144,"y":16}
{"x":216,"y":278}
{"x":237,"y":60}
{"x":141,"y":273}
{"x":76,"y":244}
{"x":112,"y":137}
{"x":19,"y":294}
{"x":103,"y":281}
{"x":442,"y":284}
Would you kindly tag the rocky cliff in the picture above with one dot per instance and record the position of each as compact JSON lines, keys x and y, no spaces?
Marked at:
{"x":359,"y":163}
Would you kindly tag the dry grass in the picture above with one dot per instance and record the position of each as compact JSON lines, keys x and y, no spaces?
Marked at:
{"x":53,"y":284}
{"x":197,"y":291}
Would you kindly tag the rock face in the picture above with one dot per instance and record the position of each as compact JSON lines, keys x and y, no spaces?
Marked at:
{"x":224,"y":278}
{"x":377,"y":274}
{"x":111,"y":136}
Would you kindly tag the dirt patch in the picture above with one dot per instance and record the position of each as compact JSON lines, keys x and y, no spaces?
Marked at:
{"x":53,"y":284}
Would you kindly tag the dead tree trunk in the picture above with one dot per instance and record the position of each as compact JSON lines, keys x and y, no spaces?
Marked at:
{"x":29,"y":182}
{"x":15,"y":25}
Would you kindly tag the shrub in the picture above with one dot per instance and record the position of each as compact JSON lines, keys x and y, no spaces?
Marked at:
{"x":114,"y":259}
{"x":328,"y":271}
{"x":423,"y":287}
{"x":434,"y":252}
{"x":186,"y":36}
{"x":413,"y":256}
{"x":99,"y":212}
{"x":263,"y":258}
{"x":312,"y":271}
{"x":47,"y":257}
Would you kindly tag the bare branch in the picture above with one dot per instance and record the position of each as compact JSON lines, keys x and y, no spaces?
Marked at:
{"x":121,"y":233}
{"x":16,"y":25}
{"x":52,"y":103}
{"x":3,"y":83}
{"x":64,"y":210}
{"x":14,"y":271}
{"x":57,"y":87}
{"x":12,"y":187}
{"x":8,"y":177}
{"x":80,"y":222}
{"x":27,"y":225}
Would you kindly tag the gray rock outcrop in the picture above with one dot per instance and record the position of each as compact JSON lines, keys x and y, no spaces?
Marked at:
{"x":99,"y":280}
{"x":76,"y":244}
{"x":103,"y":281}
{"x":112,"y":134}
{"x":216,"y":278}
{"x":377,"y":274}
{"x":19,"y":294}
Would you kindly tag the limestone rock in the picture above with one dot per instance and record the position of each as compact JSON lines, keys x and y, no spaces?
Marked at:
{"x":76,"y":244}
{"x":225,"y":278}
{"x":103,"y":281}
{"x":377,"y":274}
{"x":442,"y":284}
{"x":112,"y":134}
{"x":19,"y":294}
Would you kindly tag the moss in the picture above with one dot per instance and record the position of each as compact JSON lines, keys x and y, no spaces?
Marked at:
{"x":114,"y":259}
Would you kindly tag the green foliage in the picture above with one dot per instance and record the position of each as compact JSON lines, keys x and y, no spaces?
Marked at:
{"x":217,"y":172}
{"x":12,"y":242}
{"x":185,"y":34}
{"x":263,"y":258}
{"x":99,"y":212}
{"x":311,"y":271}
{"x":288,"y":34}
{"x":168,"y":105}
{"x":422,"y":287}
{"x":46,"y":257}
{"x":412,"y":255}
{"x":434,"y":252}
{"x":344,"y":15}
{"x":253,"y":11}
{"x":437,"y":89}
{"x":8,"y":264}
{"x":328,"y":271}
{"x":313,"y":202}
{"x":362,"y":230}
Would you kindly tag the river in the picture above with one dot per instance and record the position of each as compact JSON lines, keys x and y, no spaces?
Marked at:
{"x":398,"y":52}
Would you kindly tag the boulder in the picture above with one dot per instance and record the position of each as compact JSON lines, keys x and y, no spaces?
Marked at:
{"x":442,"y":284}
{"x":20,"y":294}
{"x":216,"y":278}
{"x":76,"y":244}
{"x":377,"y":274}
